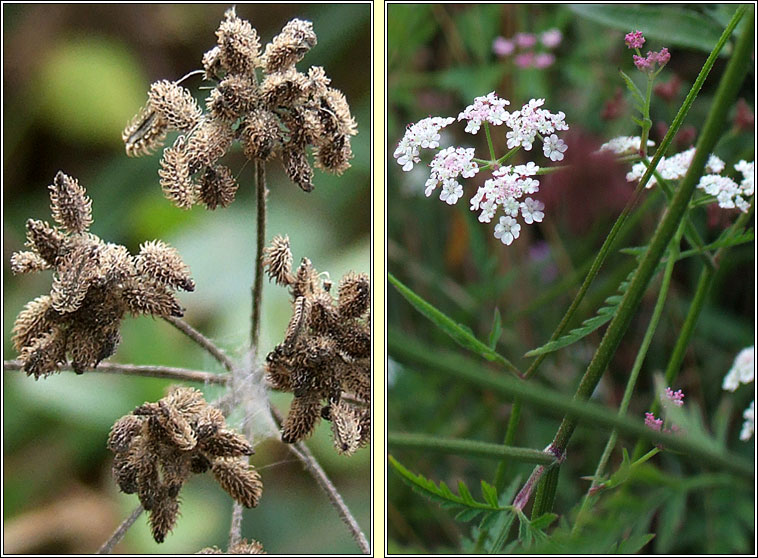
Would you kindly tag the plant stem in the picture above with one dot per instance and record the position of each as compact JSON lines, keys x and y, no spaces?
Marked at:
{"x":261,"y":194}
{"x":471,"y":448}
{"x":464,"y":369}
{"x":203,"y":341}
{"x":150,"y":371}
{"x":636,"y":367}
{"x":119,"y":533}
{"x":727,"y":91}
{"x":302,"y":452}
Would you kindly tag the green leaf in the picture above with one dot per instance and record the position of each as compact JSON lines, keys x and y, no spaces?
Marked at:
{"x":468,"y":507}
{"x":460,"y":334}
{"x":633,"y":89}
{"x":743,"y":237}
{"x":603,"y":316}
{"x":634,"y":544}
{"x":673,"y":26}
{"x":490,"y":493}
{"x":670,"y":520}
{"x":497,"y":330}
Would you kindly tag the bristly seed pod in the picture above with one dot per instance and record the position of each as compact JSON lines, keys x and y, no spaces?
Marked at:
{"x":94,"y":285}
{"x":238,"y":44}
{"x":289,"y":47}
{"x":175,"y":104}
{"x":144,"y":133}
{"x":217,"y":187}
{"x":159,"y":445}
{"x":297,"y":168}
{"x":325,"y":351}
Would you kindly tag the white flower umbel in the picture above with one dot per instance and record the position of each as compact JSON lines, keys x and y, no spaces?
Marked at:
{"x":426,"y":134}
{"x":509,"y":185}
{"x":728,"y":193}
{"x":674,"y":167}
{"x":748,"y":427}
{"x":742,"y":371}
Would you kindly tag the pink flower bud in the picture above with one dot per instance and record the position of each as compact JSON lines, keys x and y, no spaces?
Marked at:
{"x":634,"y":39}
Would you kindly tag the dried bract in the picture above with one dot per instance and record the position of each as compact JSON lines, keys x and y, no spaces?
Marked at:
{"x":94,"y":284}
{"x":242,"y":547}
{"x":325,"y":352}
{"x":160,"y":445}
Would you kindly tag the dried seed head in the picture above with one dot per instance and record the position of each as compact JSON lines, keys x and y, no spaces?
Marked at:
{"x":144,"y":133}
{"x":277,"y":373}
{"x":44,"y":240}
{"x":303,"y":415}
{"x":233,"y":97}
{"x":289,"y":46}
{"x":334,"y":156}
{"x":244,"y":547}
{"x":212,"y":63}
{"x":88,"y":346}
{"x":319,"y":81}
{"x":210,"y":420}
{"x":225,"y":443}
{"x":217,"y":187}
{"x":346,"y":428}
{"x":240,"y":480}
{"x":123,"y":432}
{"x":260,"y":135}
{"x":334,"y":114}
{"x":297,"y":167}
{"x":300,"y":316}
{"x":286,"y":89}
{"x":277,"y":259}
{"x":163,"y":516}
{"x":32,"y":322}
{"x":239,"y":45}
{"x":175,"y":104}
{"x":161,"y":262}
{"x":354,"y":295}
{"x":176,"y":178}
{"x":176,"y":426}
{"x":143,"y":297}
{"x":208,"y":143}
{"x":76,"y":271}
{"x":116,"y":263}
{"x":44,"y":354}
{"x":124,"y":472}
{"x":27,"y":262}
{"x":71,"y":207}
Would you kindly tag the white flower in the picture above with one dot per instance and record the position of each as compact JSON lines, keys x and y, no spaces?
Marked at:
{"x":748,"y":427}
{"x":624,"y":145}
{"x":451,"y":192}
{"x":489,"y":108}
{"x":507,"y":230}
{"x":742,"y":371}
{"x":748,"y":172}
{"x":510,"y":207}
{"x":531,"y":211}
{"x":529,"y":169}
{"x":551,"y":38}
{"x":531,"y":120}
{"x":488,"y":211}
{"x":554,"y":147}
{"x":424,"y":134}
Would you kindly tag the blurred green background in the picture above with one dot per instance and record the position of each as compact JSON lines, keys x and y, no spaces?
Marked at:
{"x":439,"y":58}
{"x":73,"y":77}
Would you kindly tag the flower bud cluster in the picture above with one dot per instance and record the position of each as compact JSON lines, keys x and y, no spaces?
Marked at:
{"x":259,"y":100}
{"x":510,"y":185}
{"x":94,"y":284}
{"x":325,"y":352}
{"x":160,"y":445}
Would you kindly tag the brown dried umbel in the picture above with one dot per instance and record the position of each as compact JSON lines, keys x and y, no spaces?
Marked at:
{"x":94,"y":285}
{"x":242,"y":547}
{"x":159,"y":445}
{"x":325,"y":352}
{"x":260,"y":101}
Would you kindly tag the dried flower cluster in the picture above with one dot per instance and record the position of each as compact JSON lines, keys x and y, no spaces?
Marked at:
{"x":242,"y":547}
{"x":260,"y":100}
{"x":325,"y":352}
{"x":159,"y":445}
{"x":94,"y":284}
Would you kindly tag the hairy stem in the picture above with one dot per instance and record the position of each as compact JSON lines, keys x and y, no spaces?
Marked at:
{"x":301,"y":451}
{"x":472,"y":448}
{"x":119,"y":533}
{"x":150,"y":371}
{"x":261,"y":194}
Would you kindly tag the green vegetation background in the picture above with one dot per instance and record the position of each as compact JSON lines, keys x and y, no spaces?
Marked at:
{"x":439,"y":59}
{"x":73,"y":77}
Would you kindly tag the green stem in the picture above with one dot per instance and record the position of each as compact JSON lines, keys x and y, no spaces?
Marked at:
{"x":460,"y":368}
{"x":725,"y":95}
{"x":636,"y":367}
{"x":510,"y":436}
{"x":471,"y":448}
{"x":489,"y":140}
